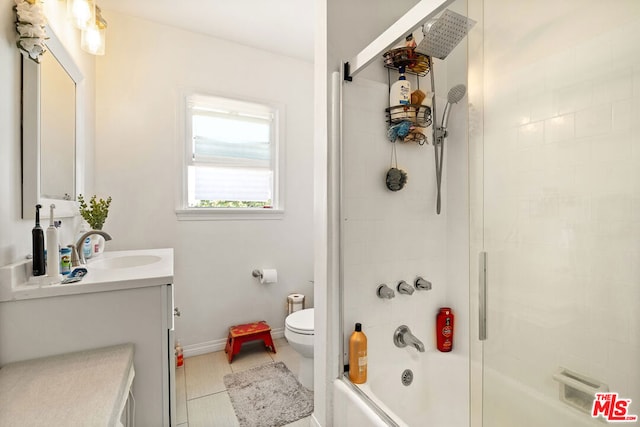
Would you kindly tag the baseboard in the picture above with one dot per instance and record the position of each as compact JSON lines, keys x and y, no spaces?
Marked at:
{"x":218,"y":345}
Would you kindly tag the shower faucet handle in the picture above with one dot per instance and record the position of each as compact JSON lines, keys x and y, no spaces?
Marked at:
{"x":405,"y":288}
{"x":422,"y":284}
{"x":385,"y":292}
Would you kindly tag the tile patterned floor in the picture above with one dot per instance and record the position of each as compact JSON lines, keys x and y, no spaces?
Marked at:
{"x":202,"y":399}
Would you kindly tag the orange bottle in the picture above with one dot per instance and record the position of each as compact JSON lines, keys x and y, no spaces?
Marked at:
{"x":358,"y":356}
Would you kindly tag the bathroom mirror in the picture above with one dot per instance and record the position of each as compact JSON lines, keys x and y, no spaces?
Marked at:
{"x":52,"y":133}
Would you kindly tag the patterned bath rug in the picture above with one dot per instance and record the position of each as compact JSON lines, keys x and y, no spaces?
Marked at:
{"x":268,"y":396}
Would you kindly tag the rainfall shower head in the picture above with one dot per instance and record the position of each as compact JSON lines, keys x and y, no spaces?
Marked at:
{"x":442,"y":35}
{"x":456,"y":93}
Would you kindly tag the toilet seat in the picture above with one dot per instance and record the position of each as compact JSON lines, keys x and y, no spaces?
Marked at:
{"x":300,"y":322}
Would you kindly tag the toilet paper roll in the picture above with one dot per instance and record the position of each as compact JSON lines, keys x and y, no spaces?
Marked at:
{"x":296,"y":298}
{"x":295,"y":302}
{"x":269,"y":275}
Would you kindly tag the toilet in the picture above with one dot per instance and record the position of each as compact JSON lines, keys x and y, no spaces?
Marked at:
{"x":298,"y":330}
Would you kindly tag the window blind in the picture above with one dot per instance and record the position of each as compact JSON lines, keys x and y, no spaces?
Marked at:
{"x":232,"y":151}
{"x":235,"y":184}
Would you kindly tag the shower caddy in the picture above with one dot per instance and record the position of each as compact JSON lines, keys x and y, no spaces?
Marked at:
{"x":419,"y":115}
{"x":441,"y":36}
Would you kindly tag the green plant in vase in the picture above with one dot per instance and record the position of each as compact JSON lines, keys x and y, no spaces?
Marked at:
{"x":96,"y":212}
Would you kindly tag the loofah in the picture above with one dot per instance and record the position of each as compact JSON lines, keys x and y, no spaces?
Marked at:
{"x":399,"y":131}
{"x":396,"y":179}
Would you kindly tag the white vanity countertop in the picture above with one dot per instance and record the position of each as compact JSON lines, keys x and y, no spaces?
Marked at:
{"x":86,"y":388}
{"x":115,"y":270}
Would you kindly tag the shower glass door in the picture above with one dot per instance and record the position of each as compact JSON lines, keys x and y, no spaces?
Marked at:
{"x":559,"y":210}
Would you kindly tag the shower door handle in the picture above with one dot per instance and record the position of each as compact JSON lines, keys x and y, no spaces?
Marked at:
{"x":482,"y":296}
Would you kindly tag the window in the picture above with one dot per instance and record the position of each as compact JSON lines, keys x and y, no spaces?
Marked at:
{"x":232,"y":152}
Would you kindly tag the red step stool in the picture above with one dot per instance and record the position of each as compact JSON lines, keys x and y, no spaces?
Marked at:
{"x":248,"y":332}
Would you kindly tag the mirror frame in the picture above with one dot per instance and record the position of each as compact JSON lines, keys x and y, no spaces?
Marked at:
{"x":31,"y":135}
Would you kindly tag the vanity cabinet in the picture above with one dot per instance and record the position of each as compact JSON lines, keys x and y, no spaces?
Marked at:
{"x":40,"y":327}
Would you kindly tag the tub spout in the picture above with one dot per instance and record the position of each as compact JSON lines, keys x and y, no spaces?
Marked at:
{"x":403,"y":337}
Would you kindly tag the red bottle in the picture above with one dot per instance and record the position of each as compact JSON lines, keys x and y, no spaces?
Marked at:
{"x":444,"y":329}
{"x":179,"y":355}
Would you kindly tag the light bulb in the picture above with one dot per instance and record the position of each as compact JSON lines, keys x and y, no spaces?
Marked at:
{"x":81,"y":12}
{"x":93,"y":40}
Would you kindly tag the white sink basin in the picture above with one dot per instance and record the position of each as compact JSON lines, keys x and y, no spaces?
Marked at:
{"x":112,"y":270}
{"x":124,"y":261}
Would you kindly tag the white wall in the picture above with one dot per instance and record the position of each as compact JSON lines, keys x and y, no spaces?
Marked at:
{"x":562,"y":194}
{"x":388,"y":236}
{"x":15,"y":233}
{"x":138,"y":150}
{"x":15,"y":236}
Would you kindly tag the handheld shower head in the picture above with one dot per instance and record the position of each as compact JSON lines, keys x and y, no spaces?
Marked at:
{"x":456,"y":94}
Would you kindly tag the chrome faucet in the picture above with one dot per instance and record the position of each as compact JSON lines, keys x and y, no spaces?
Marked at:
{"x":385,"y":292}
{"x":422,"y":284}
{"x":80,"y":242}
{"x":403,"y":337}
{"x":405,"y":288}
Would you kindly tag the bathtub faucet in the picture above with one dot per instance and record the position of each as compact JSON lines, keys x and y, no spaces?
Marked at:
{"x":403,"y":337}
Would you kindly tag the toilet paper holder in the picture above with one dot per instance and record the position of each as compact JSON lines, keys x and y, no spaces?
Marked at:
{"x":266,"y":275}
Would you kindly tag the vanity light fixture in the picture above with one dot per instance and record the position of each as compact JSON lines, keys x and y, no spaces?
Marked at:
{"x":93,"y":38}
{"x":86,"y":15}
{"x":81,"y":12}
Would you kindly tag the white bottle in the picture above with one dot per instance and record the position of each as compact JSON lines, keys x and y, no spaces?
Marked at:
{"x":400,"y":94}
{"x":53,"y":250}
{"x":87,"y":248}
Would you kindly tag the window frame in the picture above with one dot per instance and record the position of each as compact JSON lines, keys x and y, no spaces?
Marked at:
{"x":183,"y":211}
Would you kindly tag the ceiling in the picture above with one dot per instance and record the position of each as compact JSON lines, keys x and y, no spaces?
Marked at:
{"x":280,"y":26}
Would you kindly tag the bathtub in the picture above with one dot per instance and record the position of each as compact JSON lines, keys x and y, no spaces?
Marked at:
{"x":511,"y":403}
{"x":438,"y":395}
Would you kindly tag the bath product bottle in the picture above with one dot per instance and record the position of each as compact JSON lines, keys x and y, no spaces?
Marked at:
{"x":444,"y":329}
{"x":87,"y":248}
{"x":65,"y":260}
{"x":53,"y":250}
{"x":358,"y":356}
{"x":179,"y":355}
{"x":37,"y":239}
{"x":410,"y":42}
{"x":400,"y":95}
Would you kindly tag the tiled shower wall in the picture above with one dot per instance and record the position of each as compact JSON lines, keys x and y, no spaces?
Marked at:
{"x":393,"y":236}
{"x":562,"y":193}
{"x":388,"y":236}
